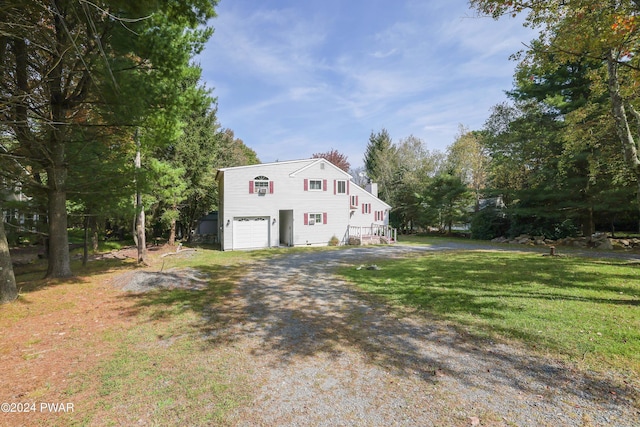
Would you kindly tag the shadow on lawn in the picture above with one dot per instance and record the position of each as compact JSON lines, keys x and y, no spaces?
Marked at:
{"x":295,"y":309}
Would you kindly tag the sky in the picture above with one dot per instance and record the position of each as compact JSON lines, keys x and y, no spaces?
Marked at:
{"x":298,"y":77}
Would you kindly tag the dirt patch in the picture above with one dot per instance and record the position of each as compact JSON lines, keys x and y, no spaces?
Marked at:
{"x":145,"y":281}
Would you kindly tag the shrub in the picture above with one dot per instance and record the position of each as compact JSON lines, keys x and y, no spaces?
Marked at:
{"x":489,"y":223}
{"x":334,"y":241}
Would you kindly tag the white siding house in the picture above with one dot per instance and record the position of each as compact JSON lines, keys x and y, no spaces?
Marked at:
{"x":294,"y":203}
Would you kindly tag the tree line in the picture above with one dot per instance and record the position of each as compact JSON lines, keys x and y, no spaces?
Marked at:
{"x":88,"y":88}
{"x":560,"y":158}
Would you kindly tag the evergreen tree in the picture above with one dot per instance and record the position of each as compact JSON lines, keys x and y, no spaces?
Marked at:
{"x":70,"y":66}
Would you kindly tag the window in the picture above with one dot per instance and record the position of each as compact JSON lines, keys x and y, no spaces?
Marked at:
{"x":261,"y":185}
{"x":341,"y":187}
{"x":315,"y":218}
{"x":354,"y":201}
{"x":366,"y":208}
{"x":315,"y":184}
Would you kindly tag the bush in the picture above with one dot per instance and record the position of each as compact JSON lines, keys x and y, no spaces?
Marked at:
{"x":334,"y":241}
{"x":488,"y":224}
{"x":551,"y":228}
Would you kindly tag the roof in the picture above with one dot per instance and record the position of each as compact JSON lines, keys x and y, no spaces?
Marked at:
{"x":304,"y":164}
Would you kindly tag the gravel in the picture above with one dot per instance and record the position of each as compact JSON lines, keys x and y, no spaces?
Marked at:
{"x":323,"y":354}
{"x":144,"y":281}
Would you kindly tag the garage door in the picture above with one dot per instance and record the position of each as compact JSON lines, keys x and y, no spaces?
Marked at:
{"x":250,"y":232}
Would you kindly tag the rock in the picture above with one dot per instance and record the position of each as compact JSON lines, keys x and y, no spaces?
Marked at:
{"x":603,"y":244}
{"x":373,"y":267}
{"x":579,"y":243}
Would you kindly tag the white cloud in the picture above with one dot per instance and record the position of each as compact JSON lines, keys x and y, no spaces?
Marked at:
{"x":310,"y":76}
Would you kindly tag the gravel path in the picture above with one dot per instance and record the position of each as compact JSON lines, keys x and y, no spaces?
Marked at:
{"x":320,"y":353}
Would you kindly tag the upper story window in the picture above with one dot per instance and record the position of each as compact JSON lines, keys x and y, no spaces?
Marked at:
{"x":341,"y":187}
{"x":261,"y":185}
{"x":315,"y":184}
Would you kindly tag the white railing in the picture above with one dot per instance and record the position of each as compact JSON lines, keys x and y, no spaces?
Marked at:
{"x":375,"y":230}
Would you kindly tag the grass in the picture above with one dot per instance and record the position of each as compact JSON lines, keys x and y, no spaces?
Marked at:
{"x":165,"y":371}
{"x":157,"y":366}
{"x":580,"y":308}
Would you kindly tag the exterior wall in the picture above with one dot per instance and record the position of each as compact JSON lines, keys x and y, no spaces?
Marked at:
{"x":359,"y":217}
{"x":288,"y":192}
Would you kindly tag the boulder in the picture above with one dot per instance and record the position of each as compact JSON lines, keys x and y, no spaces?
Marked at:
{"x":604,"y":244}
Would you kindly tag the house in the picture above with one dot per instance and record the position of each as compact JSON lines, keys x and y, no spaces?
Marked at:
{"x":294,"y":203}
{"x":206,"y":230}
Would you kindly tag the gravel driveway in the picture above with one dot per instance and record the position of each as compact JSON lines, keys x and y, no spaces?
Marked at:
{"x":320,"y":353}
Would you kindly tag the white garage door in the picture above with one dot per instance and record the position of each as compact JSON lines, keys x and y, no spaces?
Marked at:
{"x":250,"y":232}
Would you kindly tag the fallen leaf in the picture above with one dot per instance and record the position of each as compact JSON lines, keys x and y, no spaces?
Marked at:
{"x":475,"y":421}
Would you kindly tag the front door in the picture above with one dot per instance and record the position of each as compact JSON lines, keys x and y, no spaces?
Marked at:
{"x":286,"y":227}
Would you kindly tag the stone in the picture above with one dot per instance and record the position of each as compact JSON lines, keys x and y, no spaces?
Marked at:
{"x":603,"y":244}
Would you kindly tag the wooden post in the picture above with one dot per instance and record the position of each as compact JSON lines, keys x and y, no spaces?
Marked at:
{"x":552,"y":250}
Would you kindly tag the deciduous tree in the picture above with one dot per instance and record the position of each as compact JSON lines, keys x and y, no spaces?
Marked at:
{"x":335,"y":157}
{"x":600,"y":30}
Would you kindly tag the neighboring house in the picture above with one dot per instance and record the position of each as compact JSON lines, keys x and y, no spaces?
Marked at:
{"x":293,"y":203}
{"x":206,"y":230}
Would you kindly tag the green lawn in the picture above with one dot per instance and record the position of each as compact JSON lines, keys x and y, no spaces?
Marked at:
{"x":581,"y":308}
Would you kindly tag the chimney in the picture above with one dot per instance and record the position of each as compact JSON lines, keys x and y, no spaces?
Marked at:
{"x":372,"y":188}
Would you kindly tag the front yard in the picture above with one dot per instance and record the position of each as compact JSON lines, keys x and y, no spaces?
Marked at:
{"x":145,"y":358}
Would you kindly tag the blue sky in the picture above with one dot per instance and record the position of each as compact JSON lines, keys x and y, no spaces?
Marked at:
{"x":297,"y":77}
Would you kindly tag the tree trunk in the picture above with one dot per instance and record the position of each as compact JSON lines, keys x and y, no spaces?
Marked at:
{"x":588,"y":225}
{"x":140,"y":233}
{"x":140,"y":236}
{"x":8,"y":289}
{"x":59,"y":262}
{"x":85,"y":245}
{"x":94,"y":234}
{"x":623,"y":128}
{"x":172,"y":233}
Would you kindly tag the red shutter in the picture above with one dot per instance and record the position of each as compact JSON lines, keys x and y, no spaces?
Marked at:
{"x":335,"y":184}
{"x":306,"y":217}
{"x":324,"y":217}
{"x":250,"y":187}
{"x":324,"y":185}
{"x":356,"y":200}
{"x":363,"y":207}
{"x":270,"y":187}
{"x":348,"y":187}
{"x":306,"y":185}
